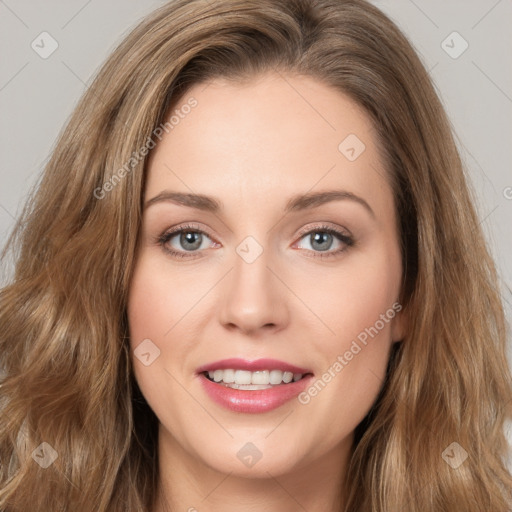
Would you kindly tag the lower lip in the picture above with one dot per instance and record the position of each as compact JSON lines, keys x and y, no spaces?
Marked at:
{"x":253,"y":401}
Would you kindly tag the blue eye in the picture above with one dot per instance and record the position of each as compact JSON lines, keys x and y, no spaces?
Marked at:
{"x":186,"y":241}
{"x":189,"y":240}
{"x":322,"y":238}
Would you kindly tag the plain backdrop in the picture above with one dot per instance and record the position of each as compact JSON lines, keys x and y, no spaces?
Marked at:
{"x":466,"y":45}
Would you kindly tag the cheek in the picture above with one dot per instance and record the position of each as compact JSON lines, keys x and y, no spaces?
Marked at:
{"x":154,"y":312}
{"x":156,"y":300}
{"x":147,"y":308}
{"x":359,"y":305}
{"x":353,"y":297}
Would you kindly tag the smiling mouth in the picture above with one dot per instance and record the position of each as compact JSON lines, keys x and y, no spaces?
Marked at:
{"x":252,"y":381}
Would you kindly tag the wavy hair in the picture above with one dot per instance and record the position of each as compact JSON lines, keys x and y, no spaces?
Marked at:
{"x":67,"y":373}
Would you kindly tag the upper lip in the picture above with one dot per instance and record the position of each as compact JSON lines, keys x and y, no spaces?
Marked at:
{"x":253,"y":366}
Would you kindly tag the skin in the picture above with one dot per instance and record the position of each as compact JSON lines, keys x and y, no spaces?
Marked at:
{"x":264,"y":141}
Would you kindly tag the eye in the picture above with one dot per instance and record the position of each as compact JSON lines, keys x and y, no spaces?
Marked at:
{"x":184,"y":239}
{"x":322,"y":238}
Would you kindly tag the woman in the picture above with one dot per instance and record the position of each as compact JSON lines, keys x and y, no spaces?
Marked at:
{"x":257,"y":368}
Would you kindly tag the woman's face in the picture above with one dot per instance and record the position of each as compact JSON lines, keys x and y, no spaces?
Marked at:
{"x":266,"y":268}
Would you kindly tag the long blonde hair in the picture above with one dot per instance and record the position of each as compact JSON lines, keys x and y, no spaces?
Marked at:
{"x":68,"y":378}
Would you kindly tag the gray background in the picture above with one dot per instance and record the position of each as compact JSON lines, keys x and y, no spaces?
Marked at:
{"x":37,"y":95}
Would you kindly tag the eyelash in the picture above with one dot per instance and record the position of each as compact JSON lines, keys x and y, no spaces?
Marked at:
{"x":164,"y":238}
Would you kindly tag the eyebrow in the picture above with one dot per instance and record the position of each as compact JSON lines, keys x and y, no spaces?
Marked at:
{"x":296,"y":203}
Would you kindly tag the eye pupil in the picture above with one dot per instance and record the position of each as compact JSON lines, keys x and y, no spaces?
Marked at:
{"x":319,"y":238}
{"x":188,"y":238}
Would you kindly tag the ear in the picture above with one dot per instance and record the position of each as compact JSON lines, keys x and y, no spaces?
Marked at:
{"x":399,"y":324}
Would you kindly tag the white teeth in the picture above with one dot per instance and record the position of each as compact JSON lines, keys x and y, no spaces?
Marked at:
{"x":246,"y":387}
{"x":242,"y":377}
{"x":228,"y":376}
{"x":261,"y":377}
{"x":276,"y":377}
{"x":253,"y":379}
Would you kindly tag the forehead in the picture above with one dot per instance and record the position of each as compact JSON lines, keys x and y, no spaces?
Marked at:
{"x":253,"y":142}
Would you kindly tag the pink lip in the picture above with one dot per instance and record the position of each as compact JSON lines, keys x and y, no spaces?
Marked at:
{"x":252,"y":366}
{"x":253,"y":401}
{"x":256,"y":401}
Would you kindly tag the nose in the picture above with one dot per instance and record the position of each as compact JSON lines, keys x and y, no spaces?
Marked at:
{"x":253,"y":298}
